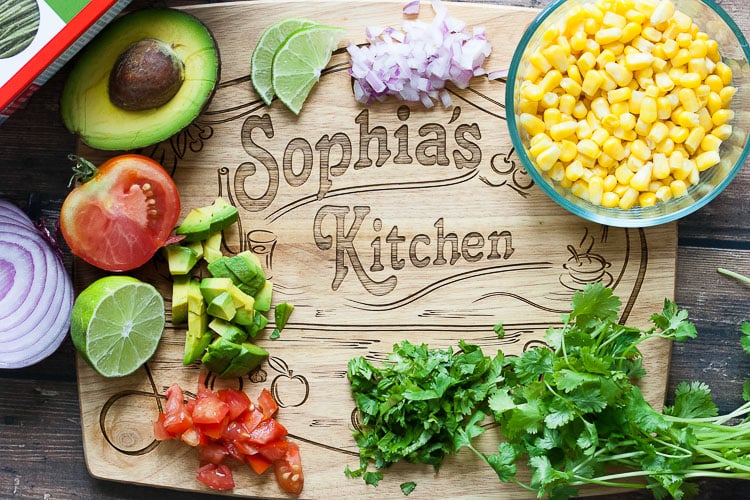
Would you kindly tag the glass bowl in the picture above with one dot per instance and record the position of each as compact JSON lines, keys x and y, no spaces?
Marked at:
{"x":711,"y":19}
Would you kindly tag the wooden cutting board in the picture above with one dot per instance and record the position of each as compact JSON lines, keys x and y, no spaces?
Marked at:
{"x":379,"y":224}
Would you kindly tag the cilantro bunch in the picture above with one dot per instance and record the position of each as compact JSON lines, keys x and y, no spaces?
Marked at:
{"x":571,"y":412}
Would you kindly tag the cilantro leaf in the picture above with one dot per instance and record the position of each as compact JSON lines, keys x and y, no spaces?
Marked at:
{"x":692,"y":401}
{"x":407,"y":487}
{"x":745,"y":339}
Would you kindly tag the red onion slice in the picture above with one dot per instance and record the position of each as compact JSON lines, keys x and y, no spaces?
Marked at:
{"x":36,"y":293}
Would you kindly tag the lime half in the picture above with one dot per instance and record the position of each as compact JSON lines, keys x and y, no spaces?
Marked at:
{"x":262,"y":59}
{"x":116,"y":324}
{"x":299,"y":60}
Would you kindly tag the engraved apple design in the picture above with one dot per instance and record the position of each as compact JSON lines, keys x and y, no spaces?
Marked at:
{"x":287,"y":388}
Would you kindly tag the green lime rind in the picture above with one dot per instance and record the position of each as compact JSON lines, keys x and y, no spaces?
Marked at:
{"x":262,"y":58}
{"x":299,"y":61}
{"x":116,"y":324}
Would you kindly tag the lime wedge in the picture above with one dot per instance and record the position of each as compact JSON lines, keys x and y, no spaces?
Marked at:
{"x":262,"y":58}
{"x":116,"y":324}
{"x":299,"y":60}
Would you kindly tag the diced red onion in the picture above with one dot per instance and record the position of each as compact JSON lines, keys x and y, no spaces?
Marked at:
{"x":412,"y":8}
{"x":36,"y":293}
{"x":415,"y":63}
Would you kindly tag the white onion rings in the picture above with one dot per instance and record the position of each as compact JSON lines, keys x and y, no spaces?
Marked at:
{"x":36,"y":293}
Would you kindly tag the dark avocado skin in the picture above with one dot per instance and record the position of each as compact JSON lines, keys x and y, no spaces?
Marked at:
{"x":87,"y":109}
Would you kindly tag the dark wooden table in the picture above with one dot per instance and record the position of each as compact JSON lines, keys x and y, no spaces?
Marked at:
{"x":41,"y":454}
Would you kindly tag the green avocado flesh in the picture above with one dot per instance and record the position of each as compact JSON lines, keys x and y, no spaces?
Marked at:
{"x":85,"y":104}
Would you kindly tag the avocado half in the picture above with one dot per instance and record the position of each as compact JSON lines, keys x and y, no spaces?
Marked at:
{"x":86,"y":107}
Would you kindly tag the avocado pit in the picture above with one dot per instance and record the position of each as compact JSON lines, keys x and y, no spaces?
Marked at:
{"x":147,"y":75}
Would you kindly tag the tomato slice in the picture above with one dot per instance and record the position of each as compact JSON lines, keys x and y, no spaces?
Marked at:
{"x":217,"y":477}
{"x":266,"y":432}
{"x":289,"y":470}
{"x":120,"y":217}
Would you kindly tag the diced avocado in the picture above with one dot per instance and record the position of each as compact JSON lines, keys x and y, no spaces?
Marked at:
{"x":219,"y":269}
{"x":244,"y":316}
{"x":247,"y":268}
{"x":201,"y":223}
{"x":222,"y":306}
{"x":212,"y":247}
{"x":195,"y":346}
{"x":219,"y":354}
{"x":227,"y":330}
{"x":211,"y":287}
{"x":196,"y":304}
{"x":263,"y":297}
{"x":197,"y":246}
{"x":281,"y":314}
{"x":259,"y":323}
{"x":241,"y":299}
{"x":181,"y":259}
{"x":180,"y":286}
{"x":249,"y":358}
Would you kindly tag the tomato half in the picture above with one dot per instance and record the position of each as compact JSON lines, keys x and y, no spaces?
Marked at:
{"x":120,"y":217}
{"x":289,"y":470}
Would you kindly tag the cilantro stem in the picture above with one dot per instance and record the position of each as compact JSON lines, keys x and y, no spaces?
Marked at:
{"x":734,"y":275}
{"x":720,"y":459}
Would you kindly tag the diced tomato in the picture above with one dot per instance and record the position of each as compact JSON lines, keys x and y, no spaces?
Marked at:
{"x":234,"y":452}
{"x":218,"y":477}
{"x":274,"y":450}
{"x":160,"y":433}
{"x":176,"y":417}
{"x":237,"y":401}
{"x":289,"y":470}
{"x":212,"y":453}
{"x":245,"y":447}
{"x":214,"y":431}
{"x":191,"y":437}
{"x":209,"y":409}
{"x":266,"y":432}
{"x":258,"y":463}
{"x":267,"y":403}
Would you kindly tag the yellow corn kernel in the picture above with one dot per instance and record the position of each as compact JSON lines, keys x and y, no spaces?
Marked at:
{"x":693,"y":141}
{"x":712,"y":51}
{"x":682,"y":171}
{"x":641,"y":127}
{"x":663,"y":81}
{"x":557,"y":56}
{"x":686,"y":119}
{"x":663,"y":108}
{"x":642,"y":178}
{"x":618,"y":108}
{"x":726,"y":94}
{"x":651,"y":34}
{"x":551,"y":80}
{"x":531,"y":91}
{"x":588,"y":147}
{"x":663,"y":11}
{"x":578,"y":41}
{"x":679,"y":134}
{"x":584,"y":130}
{"x":723,"y":71}
{"x":681,"y":58}
{"x":540,"y":62}
{"x":566,"y":104}
{"x":723,"y":132}
{"x":623,"y":174}
{"x":613,"y":147}
{"x":580,"y":110}
{"x":661,"y":168}
{"x":630,"y":31}
{"x":647,"y":199}
{"x":670,"y":48}
{"x":690,"y":80}
{"x":722,"y":117}
{"x":625,"y":135}
{"x":640,"y":150}
{"x":608,"y":35}
{"x":710,"y":142}
{"x":568,"y":150}
{"x":580,"y":188}
{"x":610,"y":182}
{"x":678,"y":187}
{"x":636,"y":98}
{"x":665,"y":147}
{"x":604,"y":163}
{"x":628,"y":199}
{"x":610,"y":200}
{"x":531,"y":123}
{"x":706,"y":160}
{"x":713,"y":102}
{"x":642,"y":46}
{"x":547,"y":158}
{"x":563,"y":130}
{"x":638,"y":60}
{"x":570,"y":86}
{"x":658,"y":133}
{"x":557,"y":172}
{"x":530,"y":107}
{"x":599,"y":135}
{"x":549,"y":100}
{"x":627,"y":121}
{"x":648,"y":109}
{"x":538,"y":147}
{"x":611,"y":121}
{"x":688,"y":99}
{"x":586,"y":62}
{"x":695,"y":175}
{"x":619,"y":73}
{"x":608,"y":83}
{"x":699,"y":66}
{"x":550,"y":34}
{"x":613,"y":19}
{"x":596,"y":190}
{"x":664,"y":193}
{"x":591,"y":82}
{"x":684,"y":40}
{"x":565,"y":183}
{"x":600,"y":107}
{"x":574,"y":170}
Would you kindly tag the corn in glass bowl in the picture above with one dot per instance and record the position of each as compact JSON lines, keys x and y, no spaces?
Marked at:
{"x":710,"y":19}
